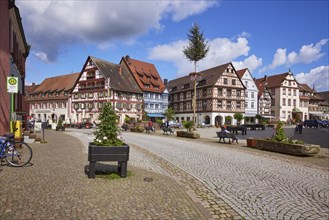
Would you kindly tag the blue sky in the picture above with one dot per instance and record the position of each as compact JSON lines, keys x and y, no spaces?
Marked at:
{"x":268,"y":37}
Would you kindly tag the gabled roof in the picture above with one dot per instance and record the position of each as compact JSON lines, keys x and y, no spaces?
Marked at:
{"x":241,"y":72}
{"x":209,"y":77}
{"x":142,"y":71}
{"x":54,"y":88}
{"x":275,"y":80}
{"x":324,"y":95}
{"x":305,"y":87}
{"x":120,"y":78}
{"x":57,"y":83}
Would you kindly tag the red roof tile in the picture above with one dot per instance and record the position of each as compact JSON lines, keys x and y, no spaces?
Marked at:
{"x":142,"y":71}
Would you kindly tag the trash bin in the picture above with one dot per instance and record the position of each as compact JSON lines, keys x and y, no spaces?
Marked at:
{"x":18,"y":129}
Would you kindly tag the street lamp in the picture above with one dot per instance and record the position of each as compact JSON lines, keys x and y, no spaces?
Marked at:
{"x":194,"y":77}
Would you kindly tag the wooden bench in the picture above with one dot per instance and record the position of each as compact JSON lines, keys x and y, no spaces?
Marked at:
{"x":166,"y":130}
{"x":149,"y":129}
{"x":229,"y":136}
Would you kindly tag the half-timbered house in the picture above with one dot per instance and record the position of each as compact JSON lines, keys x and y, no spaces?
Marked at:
{"x":219,"y":93}
{"x":155,"y":95}
{"x":264,"y":99}
{"x":101,"y":81}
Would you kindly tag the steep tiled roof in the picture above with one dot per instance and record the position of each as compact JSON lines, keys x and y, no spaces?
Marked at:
{"x":305,"y":87}
{"x":57,"y":83}
{"x":274,"y":81}
{"x":241,"y":72}
{"x":324,"y":95}
{"x":141,"y":72}
{"x":209,"y":78}
{"x":260,"y":83}
{"x":120,"y":80}
{"x":54,"y":88}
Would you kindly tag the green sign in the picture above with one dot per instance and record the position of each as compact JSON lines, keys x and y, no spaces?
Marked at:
{"x":12,"y":84}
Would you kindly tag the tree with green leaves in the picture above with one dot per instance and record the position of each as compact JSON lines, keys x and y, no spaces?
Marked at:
{"x":169,"y":113}
{"x":228,"y":120}
{"x":238,"y":116}
{"x":197,"y":48}
{"x":107,"y":133}
{"x":188,"y":125}
{"x":60,"y":122}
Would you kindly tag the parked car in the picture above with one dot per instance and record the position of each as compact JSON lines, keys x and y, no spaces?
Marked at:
{"x":84,"y":124}
{"x":315,"y":123}
{"x":174,"y":124}
{"x":323,"y":123}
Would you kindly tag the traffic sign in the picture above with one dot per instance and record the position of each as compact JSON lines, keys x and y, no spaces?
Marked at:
{"x":12,"y":84}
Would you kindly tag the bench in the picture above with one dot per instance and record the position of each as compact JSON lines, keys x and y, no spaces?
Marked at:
{"x":235,"y":129}
{"x":149,"y":129}
{"x":166,"y":130}
{"x":254,"y":126}
{"x":229,"y":136}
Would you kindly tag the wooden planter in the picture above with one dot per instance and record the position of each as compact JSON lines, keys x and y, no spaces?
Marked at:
{"x":251,"y":142}
{"x":108,"y":153}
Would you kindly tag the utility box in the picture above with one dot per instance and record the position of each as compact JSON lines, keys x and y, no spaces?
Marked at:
{"x":18,"y":129}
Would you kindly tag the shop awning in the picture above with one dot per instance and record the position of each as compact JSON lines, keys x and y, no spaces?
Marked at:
{"x":156,"y":115}
{"x":131,"y":115}
{"x":268,"y":116}
{"x":317,"y":114}
{"x":249,"y":114}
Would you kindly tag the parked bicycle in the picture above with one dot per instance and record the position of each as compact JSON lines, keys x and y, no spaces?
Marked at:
{"x":16,"y":154}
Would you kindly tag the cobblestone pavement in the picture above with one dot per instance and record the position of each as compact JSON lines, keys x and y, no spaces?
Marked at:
{"x":55,"y":186}
{"x":254,"y":186}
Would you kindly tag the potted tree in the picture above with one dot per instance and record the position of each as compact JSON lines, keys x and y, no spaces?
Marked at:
{"x":108,"y":145}
{"x":60,"y":125}
{"x":189,"y":133}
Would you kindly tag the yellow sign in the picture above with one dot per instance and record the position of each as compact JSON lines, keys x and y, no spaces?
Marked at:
{"x":12,"y":84}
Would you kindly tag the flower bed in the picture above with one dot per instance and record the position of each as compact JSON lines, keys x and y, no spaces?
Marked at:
{"x":187,"y":134}
{"x":287,"y":148}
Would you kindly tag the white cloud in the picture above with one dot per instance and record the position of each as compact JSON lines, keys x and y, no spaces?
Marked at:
{"x":317,"y":77}
{"x":307,"y":54}
{"x":251,"y":63}
{"x":222,"y":50}
{"x":55,"y":24}
{"x":183,"y":9}
{"x":42,"y":56}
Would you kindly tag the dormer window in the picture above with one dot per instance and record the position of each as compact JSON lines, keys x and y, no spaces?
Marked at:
{"x":90,"y":63}
{"x":186,"y":86}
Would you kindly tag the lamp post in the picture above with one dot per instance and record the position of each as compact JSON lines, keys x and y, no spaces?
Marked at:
{"x":194,"y":77}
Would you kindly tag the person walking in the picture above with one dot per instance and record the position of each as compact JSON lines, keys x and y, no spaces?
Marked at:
{"x":300,"y":127}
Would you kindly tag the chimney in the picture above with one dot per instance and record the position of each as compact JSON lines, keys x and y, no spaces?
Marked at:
{"x":120,"y":70}
{"x":165,"y":81}
{"x":128,"y":59}
{"x":265,"y":78}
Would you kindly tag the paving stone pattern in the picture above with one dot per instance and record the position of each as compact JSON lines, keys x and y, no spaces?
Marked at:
{"x":55,"y":186}
{"x":255,"y":187}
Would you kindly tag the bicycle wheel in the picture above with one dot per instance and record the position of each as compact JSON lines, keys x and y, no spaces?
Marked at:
{"x":18,"y":155}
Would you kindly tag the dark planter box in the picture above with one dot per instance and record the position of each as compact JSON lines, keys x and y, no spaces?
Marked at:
{"x":287,"y":148}
{"x":60,"y":128}
{"x":108,"y":153}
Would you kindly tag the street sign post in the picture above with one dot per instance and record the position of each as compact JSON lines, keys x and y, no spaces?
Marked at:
{"x":12,"y":87}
